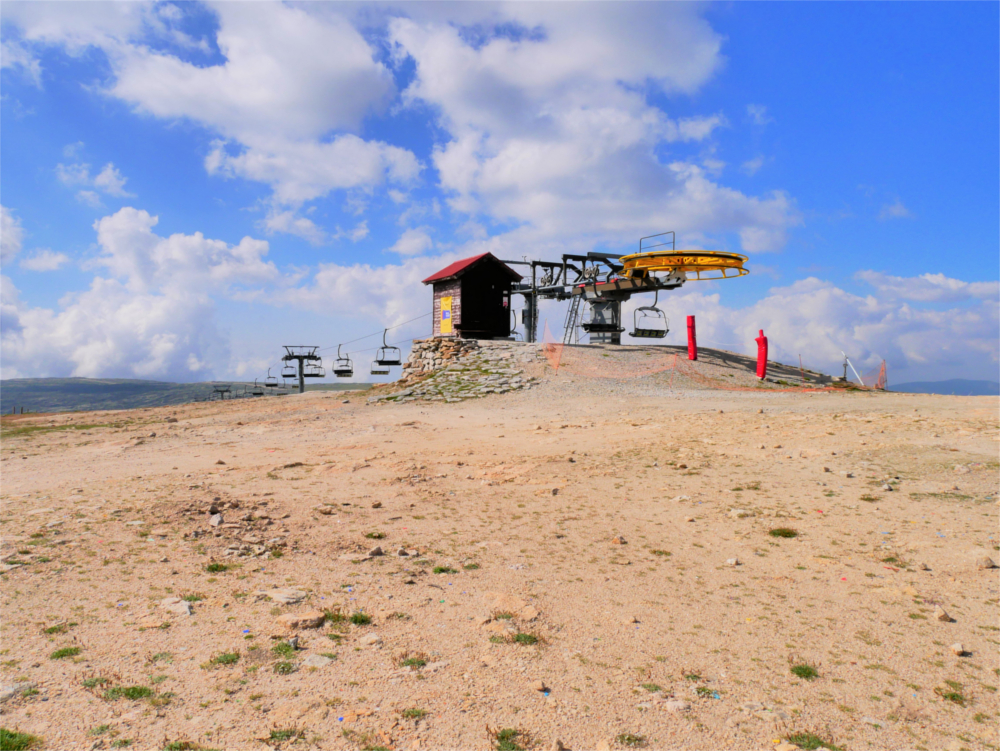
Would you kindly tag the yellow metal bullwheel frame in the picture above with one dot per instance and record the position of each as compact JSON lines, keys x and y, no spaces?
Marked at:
{"x":703,"y":264}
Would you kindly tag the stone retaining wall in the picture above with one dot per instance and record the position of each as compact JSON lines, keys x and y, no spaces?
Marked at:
{"x":451,"y":369}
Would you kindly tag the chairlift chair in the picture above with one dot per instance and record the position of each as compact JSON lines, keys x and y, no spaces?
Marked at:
{"x":314,"y":370}
{"x":257,"y":390}
{"x":271,"y":381}
{"x":650,"y":322}
{"x":342,"y":366}
{"x":288,"y":371}
{"x":514,"y":333}
{"x":387,"y":355}
{"x":379,"y":369}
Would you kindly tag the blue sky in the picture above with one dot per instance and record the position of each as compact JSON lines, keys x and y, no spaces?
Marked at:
{"x":186,"y":187}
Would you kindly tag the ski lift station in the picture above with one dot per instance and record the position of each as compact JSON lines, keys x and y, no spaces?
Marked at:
{"x":472,"y":300}
{"x":472,"y":297}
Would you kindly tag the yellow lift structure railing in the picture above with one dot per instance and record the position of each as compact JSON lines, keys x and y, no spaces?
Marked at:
{"x":701,"y":265}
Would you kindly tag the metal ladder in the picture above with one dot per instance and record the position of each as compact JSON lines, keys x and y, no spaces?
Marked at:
{"x":572,"y":321}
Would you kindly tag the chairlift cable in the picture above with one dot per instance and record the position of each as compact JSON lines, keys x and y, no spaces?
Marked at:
{"x":368,"y":336}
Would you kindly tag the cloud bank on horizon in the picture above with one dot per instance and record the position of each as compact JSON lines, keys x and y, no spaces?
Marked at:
{"x":341,"y":153}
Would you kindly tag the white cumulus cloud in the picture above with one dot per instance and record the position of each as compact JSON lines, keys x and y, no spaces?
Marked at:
{"x":149,"y":316}
{"x":929,"y":287}
{"x":108,"y":181}
{"x":545,"y":141}
{"x":11,"y":235}
{"x":44,"y":260}
{"x":413,"y":242}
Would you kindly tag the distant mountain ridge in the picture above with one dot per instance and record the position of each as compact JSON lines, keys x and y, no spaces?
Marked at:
{"x":951,"y":387}
{"x":84,"y":394}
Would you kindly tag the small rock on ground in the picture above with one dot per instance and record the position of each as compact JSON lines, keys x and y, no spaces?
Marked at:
{"x":176,"y":605}
{"x":309,"y":619}
{"x":316,"y":661}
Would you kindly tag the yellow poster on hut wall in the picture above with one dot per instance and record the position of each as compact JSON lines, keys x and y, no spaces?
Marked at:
{"x":445,"y":315}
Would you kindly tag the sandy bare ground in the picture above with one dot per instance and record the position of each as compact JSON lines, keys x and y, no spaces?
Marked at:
{"x":516,"y":500}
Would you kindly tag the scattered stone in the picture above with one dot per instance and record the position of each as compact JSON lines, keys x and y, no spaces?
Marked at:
{"x":377,"y":504}
{"x":221,"y":462}
{"x":740,"y":513}
{"x":619,"y":540}
{"x":985,"y":562}
{"x":316,"y":661}
{"x":887,"y":487}
{"x":958,"y":650}
{"x":309,"y":619}
{"x":172,"y":419}
{"x":676,"y":705}
{"x":942,"y":615}
{"x":733,"y":562}
{"x":527,"y":613}
{"x":176,"y":605}
{"x":556,"y":745}
{"x":402,"y":553}
{"x":370,"y":640}
{"x":215,"y":520}
{"x":375,"y":552}
{"x":326,"y":510}
{"x":827,"y":469}
{"x":283,"y":595}
{"x":15,"y":689}
{"x":923,"y":567}
{"x":539,"y":686}
{"x":689,"y":518}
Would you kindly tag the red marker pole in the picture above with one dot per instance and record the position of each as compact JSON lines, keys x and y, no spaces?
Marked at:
{"x":692,"y":340}
{"x":761,"y":355}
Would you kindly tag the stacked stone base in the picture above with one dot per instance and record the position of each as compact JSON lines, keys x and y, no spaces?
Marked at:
{"x":453,"y":370}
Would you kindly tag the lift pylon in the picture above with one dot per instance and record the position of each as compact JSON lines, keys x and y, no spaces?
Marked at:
{"x":303,"y":354}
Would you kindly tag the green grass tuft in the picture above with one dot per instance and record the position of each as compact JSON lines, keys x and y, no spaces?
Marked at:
{"x":65,"y":652}
{"x":631,"y":740}
{"x":12,"y":740}
{"x":360,"y":619}
{"x":444,"y":570}
{"x":226,"y":658}
{"x":811,"y":742}
{"x":216,"y":568}
{"x":786,"y":532}
{"x":806,"y":672}
{"x":132,"y":693}
{"x":285,"y":668}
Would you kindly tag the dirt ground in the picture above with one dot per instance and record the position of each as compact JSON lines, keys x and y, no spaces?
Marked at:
{"x":591,"y":561}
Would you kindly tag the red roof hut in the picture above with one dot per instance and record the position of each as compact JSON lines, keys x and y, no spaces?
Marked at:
{"x":472,"y":298}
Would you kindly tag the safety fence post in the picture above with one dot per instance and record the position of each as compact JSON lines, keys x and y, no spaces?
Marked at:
{"x":692,"y":340}
{"x":761,"y":355}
